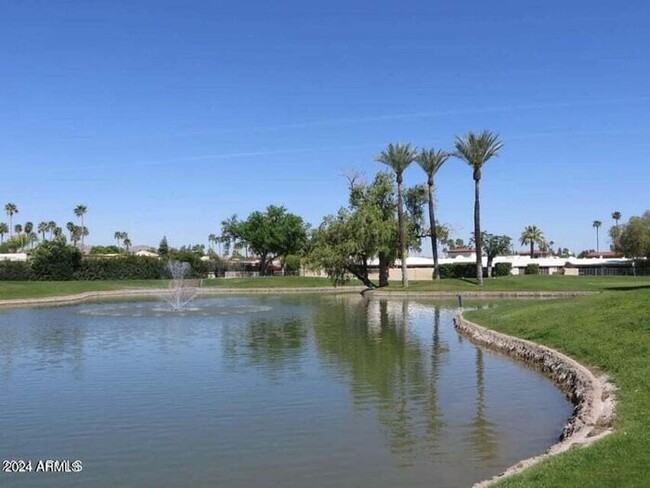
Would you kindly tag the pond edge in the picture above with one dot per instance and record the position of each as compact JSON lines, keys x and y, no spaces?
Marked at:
{"x":592,"y":396}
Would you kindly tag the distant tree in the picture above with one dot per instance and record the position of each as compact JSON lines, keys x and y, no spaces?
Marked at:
{"x":18,"y":228}
{"x":635,"y":237}
{"x":4,"y":229}
{"x":163,"y":247}
{"x":127,"y":244}
{"x":80,"y":211}
{"x":51,"y":227}
{"x":398,"y":157}
{"x":493,"y":246}
{"x":71,"y":228}
{"x":11,"y":209}
{"x":431,"y":160}
{"x":476,"y":150}
{"x":211,"y":240}
{"x":531,"y":235}
{"x":42,"y":228}
{"x":616,"y":216}
{"x":596,"y":225}
{"x":274,"y":233}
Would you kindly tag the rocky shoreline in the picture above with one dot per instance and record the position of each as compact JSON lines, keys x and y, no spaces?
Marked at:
{"x":592,"y":396}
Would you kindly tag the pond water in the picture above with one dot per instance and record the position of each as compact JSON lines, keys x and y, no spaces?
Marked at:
{"x":266,"y":392}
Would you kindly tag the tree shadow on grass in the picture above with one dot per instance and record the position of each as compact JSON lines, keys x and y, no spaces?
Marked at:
{"x":627,"y":288}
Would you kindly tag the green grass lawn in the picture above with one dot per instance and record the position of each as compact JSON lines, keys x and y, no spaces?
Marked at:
{"x":273,"y":282}
{"x":608,"y":331}
{"x":530,"y":283}
{"x":41,"y":289}
{"x":38,"y":289}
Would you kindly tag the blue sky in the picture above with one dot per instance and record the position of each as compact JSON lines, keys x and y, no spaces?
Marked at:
{"x":166,"y":117}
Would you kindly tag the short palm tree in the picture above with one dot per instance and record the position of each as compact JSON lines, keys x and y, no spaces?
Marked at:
{"x":530,"y":236}
{"x":80,"y":211}
{"x":476,"y":150}
{"x":11,"y":209}
{"x":431,"y":161}
{"x":616,"y":216}
{"x":212,"y":239}
{"x":399,"y":157}
{"x":4,"y":228}
{"x":127,"y":244}
{"x":596,"y":224}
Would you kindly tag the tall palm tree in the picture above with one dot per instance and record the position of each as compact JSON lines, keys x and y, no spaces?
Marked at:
{"x":118,"y":236}
{"x":431,"y":161}
{"x":596,"y":224}
{"x":476,"y":150}
{"x":71,"y":229}
{"x":399,"y":157}
{"x":51,"y":227}
{"x":4,"y":228}
{"x":616,"y":216}
{"x":43,"y":227}
{"x":531,"y":235}
{"x":28,"y":230}
{"x":80,"y":211}
{"x":11,"y":209}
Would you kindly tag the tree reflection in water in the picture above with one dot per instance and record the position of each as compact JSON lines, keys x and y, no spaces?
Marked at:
{"x":482,"y":434}
{"x":390,"y":370}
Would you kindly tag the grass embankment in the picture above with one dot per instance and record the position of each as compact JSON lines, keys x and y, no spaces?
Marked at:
{"x":41,"y":289}
{"x":529,"y":283}
{"x":610,"y":332}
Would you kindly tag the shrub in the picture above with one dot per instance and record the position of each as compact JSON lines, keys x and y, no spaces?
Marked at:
{"x":15,"y":271}
{"x":55,"y":260}
{"x":121,"y":268}
{"x":458,"y":270}
{"x":532,"y":269}
{"x":502,"y":269}
{"x":292,"y":265}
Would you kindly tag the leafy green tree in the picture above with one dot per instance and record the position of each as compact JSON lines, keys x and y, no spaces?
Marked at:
{"x":531,"y":235}
{"x":80,"y":211}
{"x":635,"y":237}
{"x":596,"y":225}
{"x":398,"y":157}
{"x":4,"y":229}
{"x":431,"y":160}
{"x":476,"y":150}
{"x":274,"y":233}
{"x":11,"y":209}
{"x":341,"y":247}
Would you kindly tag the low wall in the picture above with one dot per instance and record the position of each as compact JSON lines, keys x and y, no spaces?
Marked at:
{"x":592,"y":396}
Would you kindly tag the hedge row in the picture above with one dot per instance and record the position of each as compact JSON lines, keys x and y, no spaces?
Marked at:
{"x":56,"y":262}
{"x":468,"y":270}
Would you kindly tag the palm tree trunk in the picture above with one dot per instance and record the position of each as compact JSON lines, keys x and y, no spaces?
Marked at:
{"x":434,"y":234}
{"x":532,"y":249}
{"x":477,"y":231}
{"x":402,"y":230}
{"x":597,"y":240}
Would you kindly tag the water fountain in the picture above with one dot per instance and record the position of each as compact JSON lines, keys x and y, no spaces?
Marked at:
{"x":179,"y":292}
